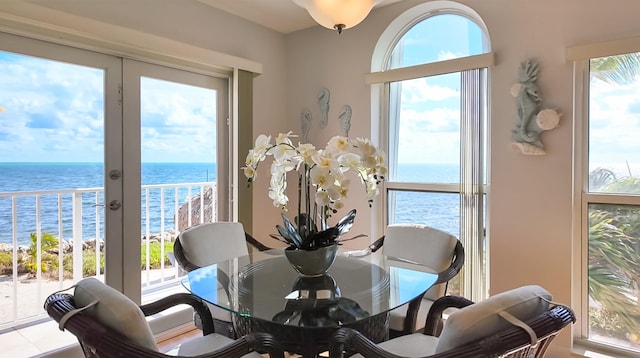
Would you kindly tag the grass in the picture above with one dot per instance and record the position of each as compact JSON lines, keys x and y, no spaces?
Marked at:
{"x":50,"y":262}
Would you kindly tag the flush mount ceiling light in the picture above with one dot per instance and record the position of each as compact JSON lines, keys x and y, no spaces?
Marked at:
{"x":338,"y":14}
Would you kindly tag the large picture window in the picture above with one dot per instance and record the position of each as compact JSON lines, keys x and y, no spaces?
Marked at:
{"x":610,"y":204}
{"x":434,"y":130}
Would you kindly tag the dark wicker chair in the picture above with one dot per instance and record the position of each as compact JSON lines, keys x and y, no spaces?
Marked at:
{"x":211,"y":243}
{"x":410,"y":242}
{"x":105,"y":338}
{"x":506,"y":339}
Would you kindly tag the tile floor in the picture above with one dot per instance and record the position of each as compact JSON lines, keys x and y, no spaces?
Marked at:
{"x":38,"y":339}
{"x":34,"y":340}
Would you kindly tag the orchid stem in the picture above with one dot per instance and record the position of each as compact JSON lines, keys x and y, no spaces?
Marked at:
{"x":299,"y":200}
{"x":307,"y":202}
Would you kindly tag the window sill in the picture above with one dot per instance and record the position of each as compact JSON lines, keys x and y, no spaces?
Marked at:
{"x":586,"y":349}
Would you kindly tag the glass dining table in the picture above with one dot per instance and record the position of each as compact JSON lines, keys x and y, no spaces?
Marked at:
{"x":265,"y":294}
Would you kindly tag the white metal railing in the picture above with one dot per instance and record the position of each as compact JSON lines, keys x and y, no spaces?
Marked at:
{"x":29,"y":219}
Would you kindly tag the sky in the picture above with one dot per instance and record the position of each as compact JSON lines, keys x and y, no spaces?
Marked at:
{"x":53,"y":112}
{"x":429,"y":127}
{"x":614,"y":127}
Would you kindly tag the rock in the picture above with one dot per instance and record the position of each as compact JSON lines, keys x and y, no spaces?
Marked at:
{"x":209,"y":202}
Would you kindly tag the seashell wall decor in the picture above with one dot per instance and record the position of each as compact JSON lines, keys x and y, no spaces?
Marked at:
{"x":533,"y":121}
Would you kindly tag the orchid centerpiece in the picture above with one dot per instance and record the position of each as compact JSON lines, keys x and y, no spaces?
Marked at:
{"x":322,"y":183}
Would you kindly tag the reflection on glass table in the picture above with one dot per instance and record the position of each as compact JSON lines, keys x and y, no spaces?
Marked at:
{"x":264,"y":293}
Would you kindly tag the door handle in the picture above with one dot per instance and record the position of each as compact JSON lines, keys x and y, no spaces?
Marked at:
{"x":114,"y":205}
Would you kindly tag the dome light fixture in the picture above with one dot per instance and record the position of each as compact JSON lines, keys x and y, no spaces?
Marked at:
{"x":338,"y":14}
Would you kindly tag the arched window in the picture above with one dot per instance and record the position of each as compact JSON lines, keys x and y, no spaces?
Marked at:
{"x":430,"y":67}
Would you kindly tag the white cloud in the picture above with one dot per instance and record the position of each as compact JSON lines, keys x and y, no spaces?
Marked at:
{"x":614,"y":122}
{"x":447,"y":55}
{"x":419,"y":90}
{"x":429,"y":136}
{"x":53,"y":112}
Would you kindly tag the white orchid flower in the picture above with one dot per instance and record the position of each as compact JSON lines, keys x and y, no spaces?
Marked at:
{"x":250,"y":173}
{"x":322,"y":198}
{"x":321,"y":177}
{"x":344,"y":188}
{"x":338,"y":145}
{"x":365,"y":146}
{"x":263,"y":143}
{"x":280,"y":200}
{"x":284,"y":138}
{"x":350,"y":160}
{"x":334,"y":192}
{"x":325,"y":171}
{"x":306,"y":152}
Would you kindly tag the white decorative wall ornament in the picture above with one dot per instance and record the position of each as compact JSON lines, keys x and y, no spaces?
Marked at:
{"x":345,"y":120}
{"x":533,"y":121}
{"x":305,"y":123}
{"x":323,"y":102}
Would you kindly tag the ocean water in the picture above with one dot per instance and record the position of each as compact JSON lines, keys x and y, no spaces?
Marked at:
{"x":28,"y":177}
{"x":438,"y":210}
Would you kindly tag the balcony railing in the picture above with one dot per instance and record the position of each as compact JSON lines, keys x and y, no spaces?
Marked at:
{"x":45,"y":237}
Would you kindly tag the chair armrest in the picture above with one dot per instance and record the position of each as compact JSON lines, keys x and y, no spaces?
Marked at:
{"x":455,"y":267}
{"x":182,"y":298}
{"x":255,"y":243}
{"x":377,"y":244}
{"x":102,"y":341}
{"x":366,"y":251}
{"x":182,"y":260}
{"x":433,"y":325}
{"x":348,"y":339}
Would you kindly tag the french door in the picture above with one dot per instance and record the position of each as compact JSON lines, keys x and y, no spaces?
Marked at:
{"x":83,"y":126}
{"x":174,"y":121}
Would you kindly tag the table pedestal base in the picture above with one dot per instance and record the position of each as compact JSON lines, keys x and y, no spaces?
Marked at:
{"x":311,"y":341}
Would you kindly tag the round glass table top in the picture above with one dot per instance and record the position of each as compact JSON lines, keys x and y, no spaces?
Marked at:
{"x":264,"y":286}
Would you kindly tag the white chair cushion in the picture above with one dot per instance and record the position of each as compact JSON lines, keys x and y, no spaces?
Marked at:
{"x":204,"y":345}
{"x":411,"y":345}
{"x":115,"y":310}
{"x":206,"y":244}
{"x":422,"y":244}
{"x":482,"y":320}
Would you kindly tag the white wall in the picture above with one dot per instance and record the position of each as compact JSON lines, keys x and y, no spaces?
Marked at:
{"x":530,"y":196}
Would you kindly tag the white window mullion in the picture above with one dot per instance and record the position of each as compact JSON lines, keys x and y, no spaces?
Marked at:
{"x":471,"y":223}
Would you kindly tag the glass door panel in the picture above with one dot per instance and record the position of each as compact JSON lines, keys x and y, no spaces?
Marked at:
{"x":53,"y":123}
{"x":183,"y":153}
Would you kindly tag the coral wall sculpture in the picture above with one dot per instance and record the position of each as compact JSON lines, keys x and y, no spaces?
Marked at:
{"x":533,"y":120}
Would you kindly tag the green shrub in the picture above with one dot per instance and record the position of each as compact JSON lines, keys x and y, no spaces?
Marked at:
{"x":50,"y":263}
{"x":154,"y":254}
{"x":89,"y":263}
{"x":6,"y":263}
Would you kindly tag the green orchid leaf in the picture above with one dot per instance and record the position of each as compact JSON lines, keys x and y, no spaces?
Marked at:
{"x":293,"y":233}
{"x":285,"y":234}
{"x":345,"y":224}
{"x":323,"y":238}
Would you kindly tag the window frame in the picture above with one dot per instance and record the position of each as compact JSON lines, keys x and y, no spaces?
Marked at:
{"x":80,"y":53}
{"x":582,"y":197}
{"x":381,"y":93}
